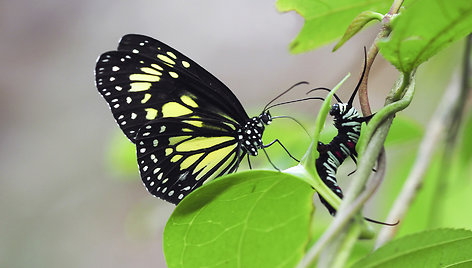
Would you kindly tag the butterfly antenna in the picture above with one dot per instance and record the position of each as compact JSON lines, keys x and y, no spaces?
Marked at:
{"x":293,"y":101}
{"x":285,"y":92}
{"x":360,"y":80}
{"x":294,"y":119}
{"x":380,"y":222}
{"x":325,"y":89}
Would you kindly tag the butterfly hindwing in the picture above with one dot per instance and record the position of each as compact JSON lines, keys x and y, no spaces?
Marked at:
{"x":177,"y":155}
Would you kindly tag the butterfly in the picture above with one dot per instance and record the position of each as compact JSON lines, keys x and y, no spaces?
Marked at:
{"x":188,"y":127}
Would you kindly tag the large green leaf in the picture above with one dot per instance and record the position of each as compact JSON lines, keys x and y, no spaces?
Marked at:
{"x":424,"y":28}
{"x":326,"y":21}
{"x":436,"y":248}
{"x":248,"y":219}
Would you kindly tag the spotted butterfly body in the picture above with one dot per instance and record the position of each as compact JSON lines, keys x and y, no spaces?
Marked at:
{"x":348,"y":123}
{"x":188,"y":127}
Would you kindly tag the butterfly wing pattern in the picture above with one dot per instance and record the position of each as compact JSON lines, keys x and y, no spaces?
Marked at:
{"x":188,"y":127}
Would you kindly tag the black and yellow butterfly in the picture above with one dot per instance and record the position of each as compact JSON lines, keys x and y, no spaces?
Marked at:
{"x":188,"y":126}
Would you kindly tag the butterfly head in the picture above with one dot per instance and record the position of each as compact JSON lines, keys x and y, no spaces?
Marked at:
{"x":265,"y":117}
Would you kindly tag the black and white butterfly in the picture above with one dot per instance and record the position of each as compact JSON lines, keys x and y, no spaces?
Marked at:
{"x":188,"y":126}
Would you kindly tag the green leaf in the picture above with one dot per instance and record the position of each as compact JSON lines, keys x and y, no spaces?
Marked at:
{"x":247,"y":219}
{"x":436,"y":248}
{"x":325,"y":21}
{"x":356,"y":25}
{"x":423,"y":29}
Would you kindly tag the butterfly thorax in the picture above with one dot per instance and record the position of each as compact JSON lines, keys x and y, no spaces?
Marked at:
{"x":250,"y":135}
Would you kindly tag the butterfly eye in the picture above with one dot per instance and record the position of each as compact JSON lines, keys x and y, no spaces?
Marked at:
{"x":266,"y":118}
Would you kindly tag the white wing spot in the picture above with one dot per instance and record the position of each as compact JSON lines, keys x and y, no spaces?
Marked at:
{"x":171,"y":193}
{"x":128,"y":100}
{"x":145,"y":168}
{"x":135,"y":51}
{"x":133,"y":116}
{"x":118,"y":88}
{"x":155,"y":142}
{"x":116,"y":106}
{"x":181,"y":196}
{"x":151,"y":184}
{"x":115,"y":68}
{"x":142,"y":150}
{"x":112,"y":78}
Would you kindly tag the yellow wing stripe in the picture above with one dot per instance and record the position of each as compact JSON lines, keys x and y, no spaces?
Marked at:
{"x":174,"y":109}
{"x":151,"y":113}
{"x":139,"y":86}
{"x":193,"y":123}
{"x":201,"y":143}
{"x":177,"y":139}
{"x":219,"y":170}
{"x":144,"y":77}
{"x":147,"y":96}
{"x":165,"y":59}
{"x":175,"y":158}
{"x":150,"y":71}
{"x":212,"y":160}
{"x":187,"y":100}
{"x":190,"y":161}
{"x":157,"y":67}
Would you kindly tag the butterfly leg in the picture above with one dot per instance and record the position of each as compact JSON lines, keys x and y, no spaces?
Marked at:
{"x":354,"y":158}
{"x":277,"y":140}
{"x":249,"y":162}
{"x":268,"y":158}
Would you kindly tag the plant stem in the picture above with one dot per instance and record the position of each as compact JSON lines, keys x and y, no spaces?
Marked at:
{"x":436,"y":128}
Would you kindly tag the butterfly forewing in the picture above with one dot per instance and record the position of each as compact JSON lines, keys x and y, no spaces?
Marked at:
{"x":188,"y":69}
{"x":177,"y":155}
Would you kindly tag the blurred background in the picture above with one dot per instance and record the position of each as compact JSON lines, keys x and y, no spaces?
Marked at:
{"x":64,"y":199}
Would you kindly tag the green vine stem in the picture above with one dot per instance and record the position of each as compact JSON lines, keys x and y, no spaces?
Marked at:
{"x":443,"y":119}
